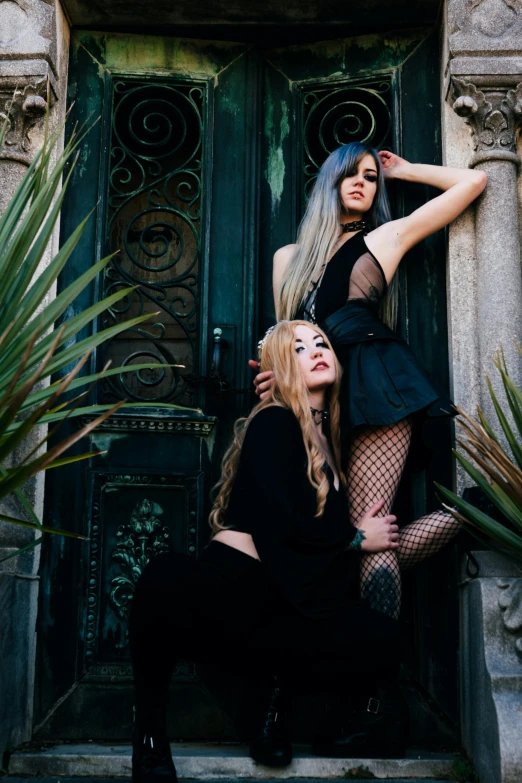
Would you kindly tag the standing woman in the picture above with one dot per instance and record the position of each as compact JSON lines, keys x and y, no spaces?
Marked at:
{"x":341,"y":275}
{"x":276,"y":589}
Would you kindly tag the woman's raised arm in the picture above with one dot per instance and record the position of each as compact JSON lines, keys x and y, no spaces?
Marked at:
{"x":392,"y":240}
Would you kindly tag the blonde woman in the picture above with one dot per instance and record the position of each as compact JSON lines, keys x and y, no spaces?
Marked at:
{"x":341,"y":275}
{"x":276,"y":590}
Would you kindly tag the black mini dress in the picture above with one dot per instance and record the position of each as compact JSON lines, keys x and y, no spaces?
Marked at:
{"x":383,"y":382}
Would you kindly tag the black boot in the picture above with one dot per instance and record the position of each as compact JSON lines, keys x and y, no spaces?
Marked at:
{"x":151,"y":756}
{"x":376,"y":729}
{"x":272,"y":746}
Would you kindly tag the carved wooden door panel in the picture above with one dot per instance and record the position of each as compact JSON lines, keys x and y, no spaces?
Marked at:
{"x":199,"y":167}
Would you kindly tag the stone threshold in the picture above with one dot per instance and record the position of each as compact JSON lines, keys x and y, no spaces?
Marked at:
{"x":216,"y":762}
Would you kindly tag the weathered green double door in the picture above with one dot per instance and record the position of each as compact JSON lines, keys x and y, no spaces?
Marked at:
{"x":198,"y":168}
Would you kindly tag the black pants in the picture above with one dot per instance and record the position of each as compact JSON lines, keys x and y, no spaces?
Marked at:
{"x":224,"y":609}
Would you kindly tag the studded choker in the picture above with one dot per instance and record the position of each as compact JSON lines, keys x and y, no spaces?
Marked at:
{"x":355,"y":225}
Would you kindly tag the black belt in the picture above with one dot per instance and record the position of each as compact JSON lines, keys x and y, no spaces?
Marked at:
{"x":355,"y":324}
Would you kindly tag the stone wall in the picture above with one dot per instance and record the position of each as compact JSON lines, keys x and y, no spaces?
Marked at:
{"x":482,"y":112}
{"x":34,"y":38}
{"x":482,"y":91}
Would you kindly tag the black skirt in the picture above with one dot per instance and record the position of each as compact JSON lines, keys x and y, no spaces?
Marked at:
{"x":383,"y":382}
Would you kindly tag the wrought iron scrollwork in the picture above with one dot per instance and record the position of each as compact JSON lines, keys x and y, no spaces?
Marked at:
{"x":141,"y":539}
{"x":340,"y":114}
{"x":154,"y":219}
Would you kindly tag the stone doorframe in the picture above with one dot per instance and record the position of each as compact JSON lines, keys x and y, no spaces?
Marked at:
{"x":482,"y":85}
{"x":34,"y":39}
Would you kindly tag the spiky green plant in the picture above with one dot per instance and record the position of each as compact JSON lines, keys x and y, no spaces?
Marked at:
{"x":30,"y":350}
{"x":495,"y":469}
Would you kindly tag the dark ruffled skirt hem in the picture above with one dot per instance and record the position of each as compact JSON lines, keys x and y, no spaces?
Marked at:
{"x":384,"y":383}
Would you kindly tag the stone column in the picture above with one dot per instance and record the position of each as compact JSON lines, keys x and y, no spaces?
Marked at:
{"x":483,"y":85}
{"x":493,"y":114}
{"x":33,"y":53}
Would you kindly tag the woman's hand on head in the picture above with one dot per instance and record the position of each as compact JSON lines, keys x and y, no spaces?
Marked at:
{"x":263,"y":380}
{"x":392,"y":165}
{"x":374,"y":533}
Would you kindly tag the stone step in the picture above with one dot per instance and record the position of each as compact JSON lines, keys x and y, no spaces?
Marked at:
{"x":273,"y":780}
{"x":218,"y":762}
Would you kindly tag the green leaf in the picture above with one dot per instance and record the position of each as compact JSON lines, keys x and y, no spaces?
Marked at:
{"x":59,"y":305}
{"x":76,"y":458}
{"x":508,"y":432}
{"x":70,"y":328}
{"x":483,"y":521}
{"x":85,"y":380}
{"x":46,"y":319}
{"x":486,"y":426}
{"x":19,"y":475}
{"x":489,"y":543}
{"x":37,"y":292}
{"x":92,"y":409}
{"x":72,"y":353}
{"x":13,"y":402}
{"x":28,"y":352}
{"x":18,"y":203}
{"x":40,"y":528}
{"x":29,"y":510}
{"x":496,"y":494}
{"x":18,"y":246}
{"x":22,"y":550}
{"x":32,"y":261}
{"x":514,"y":398}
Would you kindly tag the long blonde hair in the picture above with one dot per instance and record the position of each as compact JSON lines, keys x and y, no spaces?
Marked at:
{"x":319,"y":230}
{"x":288,"y":390}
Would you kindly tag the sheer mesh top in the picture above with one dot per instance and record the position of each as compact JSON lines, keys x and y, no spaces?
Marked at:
{"x":352,"y":273}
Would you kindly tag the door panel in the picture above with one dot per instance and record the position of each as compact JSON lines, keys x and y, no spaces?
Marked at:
{"x":200,"y":168}
{"x":148,"y":167}
{"x":387,"y":93}
{"x":155,"y":214}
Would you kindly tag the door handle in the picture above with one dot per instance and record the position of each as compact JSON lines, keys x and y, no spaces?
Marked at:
{"x":216,"y":377}
{"x":215,"y":365}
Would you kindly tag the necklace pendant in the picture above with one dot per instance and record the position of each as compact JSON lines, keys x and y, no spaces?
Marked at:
{"x":317,"y":412}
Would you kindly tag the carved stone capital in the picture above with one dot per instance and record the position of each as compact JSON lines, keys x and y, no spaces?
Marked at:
{"x":23,"y":111}
{"x":493,"y":115}
{"x":510,"y":603}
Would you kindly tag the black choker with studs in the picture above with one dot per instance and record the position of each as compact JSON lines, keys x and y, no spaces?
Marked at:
{"x":355,"y":225}
{"x":322,"y":414}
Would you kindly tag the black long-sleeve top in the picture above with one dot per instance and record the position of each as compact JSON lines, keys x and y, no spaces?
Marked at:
{"x":273,"y":500}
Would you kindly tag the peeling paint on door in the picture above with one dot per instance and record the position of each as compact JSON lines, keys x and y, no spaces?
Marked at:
{"x":276,"y":131}
{"x":147,"y":53}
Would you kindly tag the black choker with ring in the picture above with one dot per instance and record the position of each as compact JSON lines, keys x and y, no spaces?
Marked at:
{"x":322,"y":414}
{"x":355,"y":225}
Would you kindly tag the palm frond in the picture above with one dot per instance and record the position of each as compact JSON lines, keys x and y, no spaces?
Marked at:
{"x":496,"y":469}
{"x":31,"y":349}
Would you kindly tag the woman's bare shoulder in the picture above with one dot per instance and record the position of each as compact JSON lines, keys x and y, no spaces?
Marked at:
{"x":284,"y":254}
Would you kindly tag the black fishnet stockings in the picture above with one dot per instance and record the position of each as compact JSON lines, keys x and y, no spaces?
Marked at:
{"x":375,"y":467}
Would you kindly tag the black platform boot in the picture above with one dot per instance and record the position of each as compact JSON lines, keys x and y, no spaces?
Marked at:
{"x":377,"y":729}
{"x":151,"y":756}
{"x":272,"y":746}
